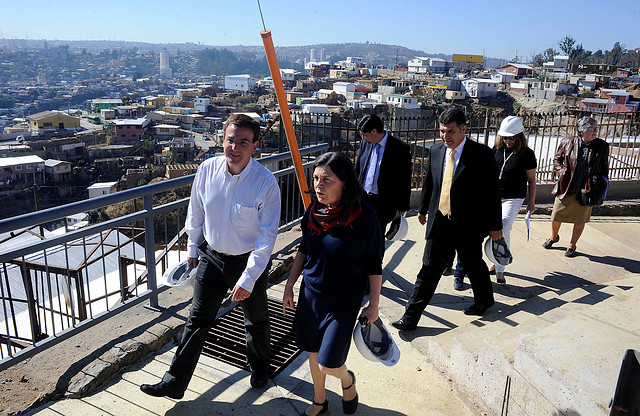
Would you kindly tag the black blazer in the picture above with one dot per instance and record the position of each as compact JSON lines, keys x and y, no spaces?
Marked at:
{"x":475,"y":194}
{"x":394,"y":177}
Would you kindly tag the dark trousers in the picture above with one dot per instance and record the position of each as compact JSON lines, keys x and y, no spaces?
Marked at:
{"x":436,"y":253}
{"x":216,"y":274}
{"x":377,"y":202}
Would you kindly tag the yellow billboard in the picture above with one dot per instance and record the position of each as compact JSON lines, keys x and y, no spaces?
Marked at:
{"x":476,"y":59}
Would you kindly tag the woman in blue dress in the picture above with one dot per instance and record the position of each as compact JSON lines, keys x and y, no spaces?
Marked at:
{"x":340,"y":251}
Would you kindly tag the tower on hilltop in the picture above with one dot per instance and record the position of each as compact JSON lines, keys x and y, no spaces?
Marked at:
{"x":165,"y":69}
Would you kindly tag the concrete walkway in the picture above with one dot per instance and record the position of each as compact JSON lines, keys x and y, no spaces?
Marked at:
{"x":552,"y":344}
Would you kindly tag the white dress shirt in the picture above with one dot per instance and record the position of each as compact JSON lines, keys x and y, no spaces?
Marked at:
{"x":235,"y":214}
{"x":456,"y":157}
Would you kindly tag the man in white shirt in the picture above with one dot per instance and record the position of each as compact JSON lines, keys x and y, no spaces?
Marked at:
{"x":232,"y":224}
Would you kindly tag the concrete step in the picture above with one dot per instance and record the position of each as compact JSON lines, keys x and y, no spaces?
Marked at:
{"x":544,"y":288}
{"x":479,"y":356}
{"x":564,"y":367}
{"x":522,"y":318}
{"x":506,"y":342}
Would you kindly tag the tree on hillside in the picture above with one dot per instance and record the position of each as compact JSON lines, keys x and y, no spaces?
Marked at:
{"x":548,"y":54}
{"x":566,"y":45}
{"x":97,"y":215}
{"x":580,"y":56}
{"x":614,"y":56}
{"x":597,"y":57}
{"x":537,"y":60}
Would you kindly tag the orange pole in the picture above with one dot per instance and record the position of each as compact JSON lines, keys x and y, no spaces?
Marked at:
{"x":285,"y":114}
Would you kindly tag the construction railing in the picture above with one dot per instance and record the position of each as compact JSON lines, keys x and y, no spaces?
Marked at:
{"x":55,"y":284}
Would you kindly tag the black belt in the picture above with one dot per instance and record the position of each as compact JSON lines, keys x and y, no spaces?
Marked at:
{"x":235,"y":256}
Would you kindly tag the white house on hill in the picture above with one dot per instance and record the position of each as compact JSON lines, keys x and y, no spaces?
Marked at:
{"x":242,"y":82}
{"x":480,"y":87}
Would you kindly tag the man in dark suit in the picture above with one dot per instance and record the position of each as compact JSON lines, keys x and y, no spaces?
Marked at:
{"x":461,"y":195}
{"x":384,"y":170}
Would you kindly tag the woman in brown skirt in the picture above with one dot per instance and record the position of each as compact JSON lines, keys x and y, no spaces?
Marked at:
{"x":576,"y":158}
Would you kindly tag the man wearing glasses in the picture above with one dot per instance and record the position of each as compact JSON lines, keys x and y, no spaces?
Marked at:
{"x":232,"y":224}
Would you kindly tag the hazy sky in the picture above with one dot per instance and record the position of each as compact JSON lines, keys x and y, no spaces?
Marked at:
{"x":496,"y":28}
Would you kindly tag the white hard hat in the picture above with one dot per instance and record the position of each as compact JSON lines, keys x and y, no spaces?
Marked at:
{"x":497,"y":251}
{"x":375,"y":343}
{"x":511,"y":126}
{"x":179,"y":274}
{"x":397,"y":229}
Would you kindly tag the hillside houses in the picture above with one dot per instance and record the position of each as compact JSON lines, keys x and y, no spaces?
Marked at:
{"x":559,"y":65}
{"x":16,"y":172}
{"x":423,"y":65}
{"x":480,"y":87}
{"x":134,"y":125}
{"x":50,"y":122}
{"x":517,"y":70}
{"x":610,"y":101}
{"x":244,"y":82}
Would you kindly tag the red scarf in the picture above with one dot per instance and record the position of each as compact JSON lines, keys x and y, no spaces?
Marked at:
{"x":322,"y":218}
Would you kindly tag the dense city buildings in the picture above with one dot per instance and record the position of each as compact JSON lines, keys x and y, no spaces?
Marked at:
{"x":106,"y":112}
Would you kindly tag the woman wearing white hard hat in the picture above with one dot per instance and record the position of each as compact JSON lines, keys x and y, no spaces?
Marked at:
{"x":517,"y":164}
{"x":340,"y":251}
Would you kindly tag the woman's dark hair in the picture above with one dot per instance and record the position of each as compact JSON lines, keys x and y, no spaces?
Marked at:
{"x":520,"y":142}
{"x":342,"y":167}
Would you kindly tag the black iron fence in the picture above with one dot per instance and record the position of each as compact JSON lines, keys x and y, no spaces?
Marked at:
{"x":544,"y":132}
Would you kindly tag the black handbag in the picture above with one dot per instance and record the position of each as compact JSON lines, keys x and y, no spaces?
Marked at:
{"x":594,"y":191}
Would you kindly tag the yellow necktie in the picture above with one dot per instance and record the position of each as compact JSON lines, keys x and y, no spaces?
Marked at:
{"x":445,"y":192}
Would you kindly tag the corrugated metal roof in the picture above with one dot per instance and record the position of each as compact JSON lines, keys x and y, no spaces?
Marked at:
{"x":20,"y":160}
{"x":54,"y":162}
{"x":77,"y":253}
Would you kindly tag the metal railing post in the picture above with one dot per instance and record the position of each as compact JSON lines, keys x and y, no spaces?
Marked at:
{"x":150,"y":249}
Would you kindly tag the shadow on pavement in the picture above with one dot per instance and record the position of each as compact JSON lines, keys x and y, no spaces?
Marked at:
{"x":629,"y":265}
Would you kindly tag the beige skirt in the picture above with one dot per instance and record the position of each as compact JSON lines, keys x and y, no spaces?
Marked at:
{"x":569,"y":210}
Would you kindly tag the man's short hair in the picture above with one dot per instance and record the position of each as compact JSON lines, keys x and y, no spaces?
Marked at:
{"x":370,"y":122}
{"x":243,"y":120}
{"x":451,"y":115}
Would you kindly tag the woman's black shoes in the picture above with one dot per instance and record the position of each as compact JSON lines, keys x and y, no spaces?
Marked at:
{"x":325,"y":407}
{"x":547,"y":244}
{"x":349,"y":407}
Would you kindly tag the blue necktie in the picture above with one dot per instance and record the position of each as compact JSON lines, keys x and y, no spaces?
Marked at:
{"x":372,"y":172}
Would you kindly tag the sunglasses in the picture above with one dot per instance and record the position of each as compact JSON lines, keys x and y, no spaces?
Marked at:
{"x":510,"y":138}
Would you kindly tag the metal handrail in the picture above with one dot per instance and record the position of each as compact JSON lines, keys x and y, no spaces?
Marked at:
{"x":146,"y":214}
{"x":55,"y":213}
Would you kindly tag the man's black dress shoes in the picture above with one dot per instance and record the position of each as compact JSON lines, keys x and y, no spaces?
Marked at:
{"x":403,"y":324}
{"x":476,"y":310}
{"x":259,"y":377}
{"x":162,"y":389}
